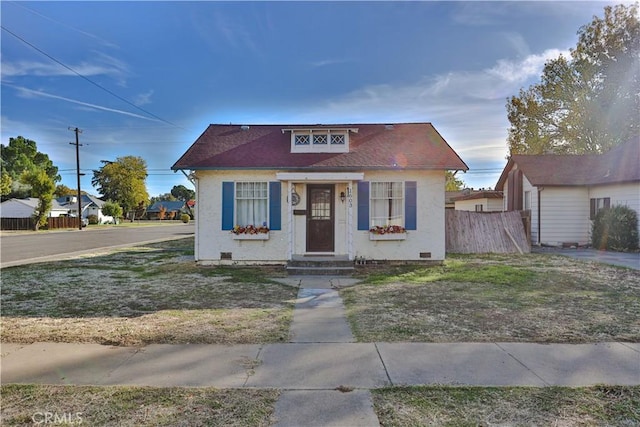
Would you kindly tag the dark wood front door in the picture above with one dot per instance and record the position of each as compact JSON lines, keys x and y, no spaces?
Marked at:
{"x":320,"y":218}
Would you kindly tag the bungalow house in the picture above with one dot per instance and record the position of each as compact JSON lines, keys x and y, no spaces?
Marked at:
{"x":565,"y":192}
{"x":167,"y":209}
{"x":277,"y":193}
{"x":90,"y":205}
{"x":25,"y":208}
{"x":479,"y":201}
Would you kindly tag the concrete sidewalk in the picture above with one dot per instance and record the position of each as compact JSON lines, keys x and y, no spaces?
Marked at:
{"x":323,"y":366}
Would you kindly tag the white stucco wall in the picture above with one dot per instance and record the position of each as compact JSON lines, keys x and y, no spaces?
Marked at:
{"x":211,"y":240}
{"x":564,"y":213}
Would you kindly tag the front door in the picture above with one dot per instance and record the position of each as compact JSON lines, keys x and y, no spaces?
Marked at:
{"x":320,"y":218}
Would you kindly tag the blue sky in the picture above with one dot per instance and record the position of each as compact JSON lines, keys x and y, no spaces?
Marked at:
{"x":168,"y":69}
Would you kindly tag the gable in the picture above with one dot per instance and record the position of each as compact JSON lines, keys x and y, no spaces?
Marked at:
{"x":618,"y":165}
{"x":374,"y":146}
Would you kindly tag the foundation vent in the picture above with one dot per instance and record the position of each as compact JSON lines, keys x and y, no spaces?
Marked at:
{"x":225,"y":255}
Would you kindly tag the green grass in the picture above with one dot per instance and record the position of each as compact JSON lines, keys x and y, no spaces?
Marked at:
{"x":512,"y":406}
{"x":132,"y":296}
{"x":531,"y":298}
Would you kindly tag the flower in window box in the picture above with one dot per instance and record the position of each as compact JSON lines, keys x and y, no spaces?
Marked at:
{"x":389,"y":229}
{"x":250,"y":229}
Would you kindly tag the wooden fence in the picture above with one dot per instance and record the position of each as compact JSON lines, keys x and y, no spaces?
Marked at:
{"x":27,"y":223}
{"x":496,"y":232}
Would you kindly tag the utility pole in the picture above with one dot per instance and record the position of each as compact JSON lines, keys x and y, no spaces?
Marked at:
{"x":77,"y":144}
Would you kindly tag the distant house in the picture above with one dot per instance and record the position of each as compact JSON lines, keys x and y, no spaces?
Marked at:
{"x":479,"y":201}
{"x":171,"y":209}
{"x":25,"y":208}
{"x":277,"y":193}
{"x":90,"y":205}
{"x":565,"y":192}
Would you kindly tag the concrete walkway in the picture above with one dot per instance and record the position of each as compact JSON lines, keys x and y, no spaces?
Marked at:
{"x":324,"y":376}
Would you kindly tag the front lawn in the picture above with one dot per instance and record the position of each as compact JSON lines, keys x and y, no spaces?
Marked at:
{"x":527,"y":298}
{"x":135,"y":406}
{"x":507,"y":406}
{"x":142,"y":295}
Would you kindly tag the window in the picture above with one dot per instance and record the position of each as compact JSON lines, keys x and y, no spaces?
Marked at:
{"x":252,"y":204}
{"x":302,"y":139}
{"x":596,"y":205}
{"x":479,"y":208}
{"x":337,"y":139}
{"x":527,"y":200}
{"x":387,"y":204}
{"x":319,"y":139}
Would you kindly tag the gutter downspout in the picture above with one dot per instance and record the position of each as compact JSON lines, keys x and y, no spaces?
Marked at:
{"x":539,"y":217}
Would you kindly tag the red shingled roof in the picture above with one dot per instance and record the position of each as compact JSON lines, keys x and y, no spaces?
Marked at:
{"x":374,"y":146}
{"x":620,"y":164}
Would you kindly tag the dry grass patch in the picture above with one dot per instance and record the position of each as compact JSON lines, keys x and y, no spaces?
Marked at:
{"x":147,"y":294}
{"x":510,"y":406}
{"x":529,"y":298}
{"x":136,"y":406}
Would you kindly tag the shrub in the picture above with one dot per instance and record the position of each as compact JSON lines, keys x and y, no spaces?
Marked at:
{"x":185,"y":218}
{"x":93,"y":219}
{"x":615,"y":229}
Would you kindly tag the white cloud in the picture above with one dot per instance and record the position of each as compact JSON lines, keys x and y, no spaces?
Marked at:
{"x":531,"y":66}
{"x":31,"y":93}
{"x":101,"y":64}
{"x":143,"y":98}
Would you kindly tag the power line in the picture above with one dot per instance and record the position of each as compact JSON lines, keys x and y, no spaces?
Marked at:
{"x":88,"y":79}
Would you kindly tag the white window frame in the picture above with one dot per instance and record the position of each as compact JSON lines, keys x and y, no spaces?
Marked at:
{"x":320,"y":140}
{"x":260,"y":197}
{"x":391,"y":218}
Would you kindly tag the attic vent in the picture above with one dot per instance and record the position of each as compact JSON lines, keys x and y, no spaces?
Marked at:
{"x":244,"y":127}
{"x":388,"y":127}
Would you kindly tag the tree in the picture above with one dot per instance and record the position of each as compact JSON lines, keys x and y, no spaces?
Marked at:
{"x":589,"y":102}
{"x":112,"y":209}
{"x":452,"y":183}
{"x":20,"y":156}
{"x":42,"y":187}
{"x":123,"y":181}
{"x":181,"y":192}
{"x":168,"y":197}
{"x":185,"y":194}
{"x":5,"y":183}
{"x":62,"y":190}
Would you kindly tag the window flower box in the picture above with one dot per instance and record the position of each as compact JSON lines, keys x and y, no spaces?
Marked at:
{"x":388,"y":236}
{"x":390,"y":232}
{"x":260,"y":236}
{"x":250,"y":232}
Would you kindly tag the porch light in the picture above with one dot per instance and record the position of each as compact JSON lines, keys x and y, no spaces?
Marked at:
{"x":343,"y":196}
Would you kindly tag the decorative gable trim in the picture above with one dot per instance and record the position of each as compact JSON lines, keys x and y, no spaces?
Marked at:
{"x":320,"y":140}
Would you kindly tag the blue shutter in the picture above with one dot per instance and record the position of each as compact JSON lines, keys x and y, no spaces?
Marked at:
{"x":275,"y":211}
{"x":410,"y":205}
{"x":363,"y":205}
{"x":227,"y":205}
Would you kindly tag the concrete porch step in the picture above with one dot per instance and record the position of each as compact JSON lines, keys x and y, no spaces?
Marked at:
{"x":338,"y":265}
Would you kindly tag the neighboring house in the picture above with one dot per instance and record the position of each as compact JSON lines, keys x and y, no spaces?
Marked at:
{"x":172,"y":209}
{"x":479,"y":201}
{"x":90,"y":205}
{"x":449,"y":198}
{"x":564,"y":192}
{"x":25,"y":208}
{"x":274,"y":193}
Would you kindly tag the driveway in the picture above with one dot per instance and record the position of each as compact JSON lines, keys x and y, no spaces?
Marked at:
{"x":623,"y":259}
{"x":26,"y":248}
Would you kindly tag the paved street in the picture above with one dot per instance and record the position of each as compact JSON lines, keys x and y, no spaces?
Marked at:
{"x":25,"y":248}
